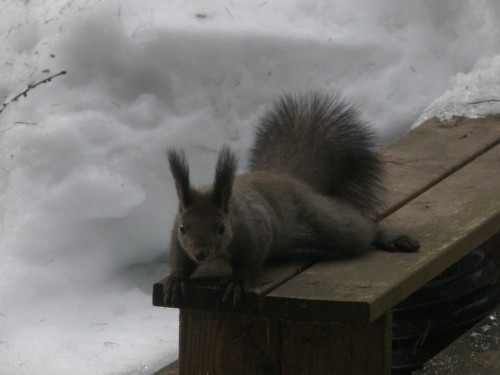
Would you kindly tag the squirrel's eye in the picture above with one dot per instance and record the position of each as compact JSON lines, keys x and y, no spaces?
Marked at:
{"x":222,"y":229}
{"x":182,"y":229}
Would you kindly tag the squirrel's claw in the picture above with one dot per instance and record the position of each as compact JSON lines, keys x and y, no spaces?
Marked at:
{"x":235,"y":290}
{"x":174,"y":290}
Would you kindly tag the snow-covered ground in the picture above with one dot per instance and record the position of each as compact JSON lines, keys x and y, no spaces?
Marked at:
{"x":86,"y":198}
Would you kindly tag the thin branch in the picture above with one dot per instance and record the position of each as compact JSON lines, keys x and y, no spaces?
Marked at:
{"x":30,"y":87}
{"x":484,"y":101}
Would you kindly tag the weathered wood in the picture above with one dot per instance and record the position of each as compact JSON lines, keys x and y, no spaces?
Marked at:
{"x":203,"y":291}
{"x":492,"y":246}
{"x":475,"y":352}
{"x":331,"y":317}
{"x":431,"y":152}
{"x":415,"y":162}
{"x":314,"y":348}
{"x":450,"y":220}
{"x":227,"y":344}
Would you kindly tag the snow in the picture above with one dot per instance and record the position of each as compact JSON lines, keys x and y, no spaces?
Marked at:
{"x":86,"y":196}
{"x":473,"y":94}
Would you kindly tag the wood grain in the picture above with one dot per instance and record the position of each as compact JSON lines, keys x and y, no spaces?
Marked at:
{"x":450,"y":220}
{"x":314,"y":348}
{"x":226,"y":344}
{"x":431,"y":152}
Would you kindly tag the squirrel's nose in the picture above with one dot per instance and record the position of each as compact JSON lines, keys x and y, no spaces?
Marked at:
{"x":201,"y":254}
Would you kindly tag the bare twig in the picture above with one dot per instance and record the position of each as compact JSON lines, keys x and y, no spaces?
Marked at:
{"x":30,"y":87}
{"x":484,"y":101}
{"x":229,"y":12}
{"x":25,"y":123}
{"x":120,"y":18}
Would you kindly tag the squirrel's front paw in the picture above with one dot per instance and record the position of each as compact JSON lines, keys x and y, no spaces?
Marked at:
{"x":234,"y":290}
{"x":174,"y":290}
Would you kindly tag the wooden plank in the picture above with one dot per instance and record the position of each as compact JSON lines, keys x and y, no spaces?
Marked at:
{"x":202,"y":291}
{"x":228,"y":344}
{"x":314,"y":348}
{"x":475,"y":352}
{"x":449,"y":220}
{"x":415,"y":162}
{"x":421,"y":158}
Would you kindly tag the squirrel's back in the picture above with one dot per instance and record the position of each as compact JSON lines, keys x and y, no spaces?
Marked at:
{"x":321,"y":140}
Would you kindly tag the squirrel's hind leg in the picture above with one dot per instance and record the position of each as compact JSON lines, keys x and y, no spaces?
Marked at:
{"x":395,"y":242}
{"x":337,"y":227}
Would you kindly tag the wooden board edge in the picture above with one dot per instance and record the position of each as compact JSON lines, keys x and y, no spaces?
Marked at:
{"x":171,"y":369}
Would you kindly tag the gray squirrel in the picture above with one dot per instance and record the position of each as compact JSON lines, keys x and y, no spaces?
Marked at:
{"x":314,"y":182}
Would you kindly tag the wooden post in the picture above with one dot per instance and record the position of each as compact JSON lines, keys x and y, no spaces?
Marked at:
{"x":218,"y":343}
{"x":226,"y":344}
{"x":316,"y":348}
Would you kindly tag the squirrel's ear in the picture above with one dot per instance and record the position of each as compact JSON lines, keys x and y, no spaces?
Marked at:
{"x":225,"y":171}
{"x":180,"y":172}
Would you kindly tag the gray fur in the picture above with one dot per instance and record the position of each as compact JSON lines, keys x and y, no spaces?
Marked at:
{"x":180,"y":172}
{"x":323,"y":141}
{"x":314,"y":182}
{"x":225,"y":172}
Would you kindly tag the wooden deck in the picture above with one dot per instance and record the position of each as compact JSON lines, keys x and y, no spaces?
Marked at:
{"x":306,"y":316}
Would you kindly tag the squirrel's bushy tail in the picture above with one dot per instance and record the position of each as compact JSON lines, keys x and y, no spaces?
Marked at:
{"x":321,"y":140}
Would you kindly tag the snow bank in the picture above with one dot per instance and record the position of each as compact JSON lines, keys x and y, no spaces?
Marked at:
{"x":474,"y":94}
{"x":86,"y":199}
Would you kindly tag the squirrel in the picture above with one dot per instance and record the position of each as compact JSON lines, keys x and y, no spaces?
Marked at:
{"x":314,"y":181}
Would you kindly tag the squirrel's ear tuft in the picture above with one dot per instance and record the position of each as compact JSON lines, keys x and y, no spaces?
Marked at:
{"x":225,"y":172}
{"x":180,"y":172}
